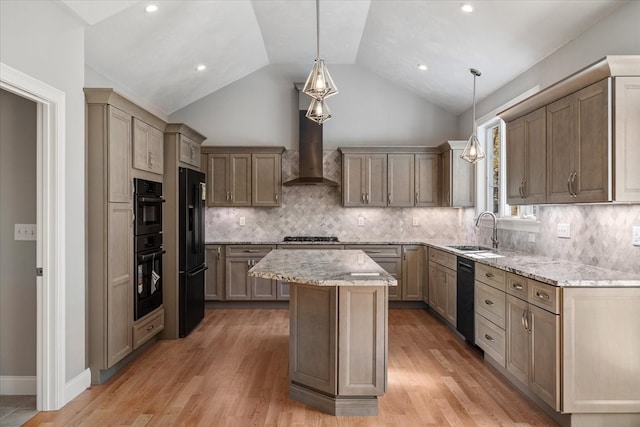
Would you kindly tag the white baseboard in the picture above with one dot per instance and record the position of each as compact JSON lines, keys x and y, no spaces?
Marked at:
{"x":23,"y":386}
{"x":77,"y":385}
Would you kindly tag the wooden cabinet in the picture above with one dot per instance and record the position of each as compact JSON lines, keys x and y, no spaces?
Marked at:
{"x":412,"y":267}
{"x":148,"y":147}
{"x":214,"y":276}
{"x":364,"y":180}
{"x":442,"y":284}
{"x":526,"y":159}
{"x":189,"y":151}
{"x":427,"y":179}
{"x":458,"y":176}
{"x":579,"y":146}
{"x":627,"y":134}
{"x":266,"y":183}
{"x":118,"y":146}
{"x":401,"y":180}
{"x":243,"y":176}
{"x":490,"y":312}
{"x":239,"y":286}
{"x":388,"y":257}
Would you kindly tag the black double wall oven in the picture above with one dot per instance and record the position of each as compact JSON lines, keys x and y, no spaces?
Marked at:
{"x":148,"y":249}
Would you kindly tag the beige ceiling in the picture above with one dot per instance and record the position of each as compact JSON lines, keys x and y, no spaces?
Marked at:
{"x":154,"y":55}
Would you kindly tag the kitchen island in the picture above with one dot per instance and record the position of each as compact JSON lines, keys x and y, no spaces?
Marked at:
{"x":337,"y":327}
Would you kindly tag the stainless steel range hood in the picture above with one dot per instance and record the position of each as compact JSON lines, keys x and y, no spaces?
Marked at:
{"x":310,"y":146}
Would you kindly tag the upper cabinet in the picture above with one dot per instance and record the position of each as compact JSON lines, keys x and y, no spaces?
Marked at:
{"x":243,"y":176}
{"x":458,"y":176}
{"x":526,"y":159}
{"x":390,"y":176}
{"x":586,"y":128}
{"x":148,"y":147}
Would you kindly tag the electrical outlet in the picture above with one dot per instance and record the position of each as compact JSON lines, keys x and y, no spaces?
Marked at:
{"x":25,"y":232}
{"x":415,"y":221}
{"x":635,"y":233}
{"x":564,"y":230}
{"x":532,"y":237}
{"x":242,"y":221}
{"x":360,"y":221}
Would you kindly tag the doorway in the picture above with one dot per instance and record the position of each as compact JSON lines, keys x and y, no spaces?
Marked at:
{"x":50,"y":233}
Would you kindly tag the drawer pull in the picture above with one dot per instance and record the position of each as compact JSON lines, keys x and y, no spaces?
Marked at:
{"x":251,"y":251}
{"x":488,"y":274}
{"x":488,"y":302}
{"x":149,"y":328}
{"x":517,"y":286}
{"x":542,"y":295}
{"x":489,"y":337}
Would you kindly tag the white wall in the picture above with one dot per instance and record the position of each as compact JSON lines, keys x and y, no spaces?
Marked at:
{"x":42,"y":39}
{"x":262,"y":109}
{"x":17,"y":257}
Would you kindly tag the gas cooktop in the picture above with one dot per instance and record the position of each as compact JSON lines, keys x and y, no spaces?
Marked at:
{"x":310,"y":239}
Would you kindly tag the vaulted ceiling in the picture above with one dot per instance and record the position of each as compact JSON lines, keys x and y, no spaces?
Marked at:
{"x":154,"y":55}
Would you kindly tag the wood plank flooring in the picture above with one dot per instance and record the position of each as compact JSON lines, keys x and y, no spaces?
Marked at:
{"x":233,"y":371}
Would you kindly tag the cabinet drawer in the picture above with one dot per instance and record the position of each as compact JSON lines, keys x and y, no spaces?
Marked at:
{"x":443,"y":258}
{"x":517,"y":286}
{"x":491,"y":303}
{"x":491,"y":276}
{"x":378,"y":251}
{"x":491,"y":339}
{"x":544,"y":296}
{"x":149,"y":327}
{"x":249,"y":250}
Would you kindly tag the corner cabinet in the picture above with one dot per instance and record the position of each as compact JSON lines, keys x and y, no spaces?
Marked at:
{"x":112,"y":332}
{"x":590,"y":133}
{"x":458,"y":177}
{"x":243,"y":176}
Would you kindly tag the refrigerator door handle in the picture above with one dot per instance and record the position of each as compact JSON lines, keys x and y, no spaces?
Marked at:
{"x":198,"y":271}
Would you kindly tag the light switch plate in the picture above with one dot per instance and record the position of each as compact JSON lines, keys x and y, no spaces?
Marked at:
{"x":25,"y":232}
{"x":564,"y":231}
{"x":635,"y":232}
{"x":242,"y":220}
{"x":360,"y":220}
{"x":415,"y":221}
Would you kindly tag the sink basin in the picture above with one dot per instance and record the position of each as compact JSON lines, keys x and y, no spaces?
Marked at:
{"x":469,"y":248}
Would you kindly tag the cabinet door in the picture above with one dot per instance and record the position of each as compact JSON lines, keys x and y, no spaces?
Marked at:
{"x":412,"y":273}
{"x":218,"y":177}
{"x":119,"y":155}
{"x":427,"y":172}
{"x":441,"y":293}
{"x":262,"y":289}
{"x":445,"y":181}
{"x":283,"y":290}
{"x":240,"y":179}
{"x":156,"y":151}
{"x":353,"y":173}
{"x":627,"y":132}
{"x":392,"y":266}
{"x":119,"y":303}
{"x":189,"y":151}
{"x":238,"y":286}
{"x":462,"y":181}
{"x":518,"y":339}
{"x":452,"y":296}
{"x":267,"y":179}
{"x":148,"y":147}
{"x":376,"y":180}
{"x":213,"y":276}
{"x":592,"y":158}
{"x":515,"y":161}
{"x":401,"y":180}
{"x":560,"y":149}
{"x":433,"y":285}
{"x":544,"y":377}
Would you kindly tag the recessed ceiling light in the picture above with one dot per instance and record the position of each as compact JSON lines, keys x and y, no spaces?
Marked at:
{"x":151,"y":8}
{"x":466,"y":7}
{"x":422,"y":67}
{"x":201,"y":67}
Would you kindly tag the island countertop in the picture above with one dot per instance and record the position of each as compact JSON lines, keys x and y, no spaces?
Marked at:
{"x":328,"y":267}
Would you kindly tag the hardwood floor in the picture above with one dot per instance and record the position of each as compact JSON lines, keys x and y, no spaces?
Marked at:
{"x":233,"y":371}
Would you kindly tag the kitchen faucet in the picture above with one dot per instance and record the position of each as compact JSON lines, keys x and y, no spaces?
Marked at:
{"x":494,"y":239}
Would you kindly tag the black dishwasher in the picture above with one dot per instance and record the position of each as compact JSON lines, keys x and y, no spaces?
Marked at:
{"x":465,"y":299}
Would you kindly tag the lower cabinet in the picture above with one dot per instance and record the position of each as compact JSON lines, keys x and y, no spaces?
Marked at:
{"x":389,"y":257}
{"x":412,"y":271}
{"x":214,"y":276}
{"x":490,"y":308}
{"x":442,"y":284}
{"x":239,"y":286}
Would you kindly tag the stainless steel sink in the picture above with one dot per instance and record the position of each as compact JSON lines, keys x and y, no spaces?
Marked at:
{"x":470,"y":248}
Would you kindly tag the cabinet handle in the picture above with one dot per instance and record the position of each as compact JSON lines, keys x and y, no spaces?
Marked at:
{"x":276,"y":197}
{"x":416,"y":198}
{"x":524,"y":321}
{"x":542,"y":295}
{"x":524,"y":189}
{"x":149,"y":328}
{"x":231,"y":196}
{"x":529,"y":313}
{"x":488,"y":302}
{"x":218,"y":253}
{"x":573,"y":181}
{"x":248,"y":263}
{"x":520,"y":191}
{"x":191,"y":152}
{"x":489,"y":275}
{"x":133,"y":217}
{"x":489,"y":337}
{"x":251,"y":251}
{"x":517,"y":286}
{"x":367,"y":198}
{"x":404,"y":254}
{"x":363,"y":198}
{"x":389,"y":197}
{"x":569,"y":184}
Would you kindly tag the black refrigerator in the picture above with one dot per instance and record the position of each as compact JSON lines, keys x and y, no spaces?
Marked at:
{"x":191,"y":246}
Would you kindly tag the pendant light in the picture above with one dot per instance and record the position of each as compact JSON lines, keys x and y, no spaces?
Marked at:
{"x":319,"y":84}
{"x":473,"y":151}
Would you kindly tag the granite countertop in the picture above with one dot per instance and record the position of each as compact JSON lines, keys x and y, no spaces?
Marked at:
{"x":553,"y":271}
{"x":325,"y":267}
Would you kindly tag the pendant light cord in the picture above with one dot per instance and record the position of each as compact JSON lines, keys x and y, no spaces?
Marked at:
{"x":317,"y":29}
{"x":473,"y":118}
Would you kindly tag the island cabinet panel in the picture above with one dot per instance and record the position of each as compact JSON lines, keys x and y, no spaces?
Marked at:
{"x":362,"y":331}
{"x":400,"y":180}
{"x":313,"y":337}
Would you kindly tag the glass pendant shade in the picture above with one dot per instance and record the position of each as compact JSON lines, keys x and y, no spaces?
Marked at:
{"x":318,"y":111}
{"x":319,"y":84}
{"x":473,"y":151}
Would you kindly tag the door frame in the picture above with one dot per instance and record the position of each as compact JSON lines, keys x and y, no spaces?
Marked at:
{"x":50,"y":253}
